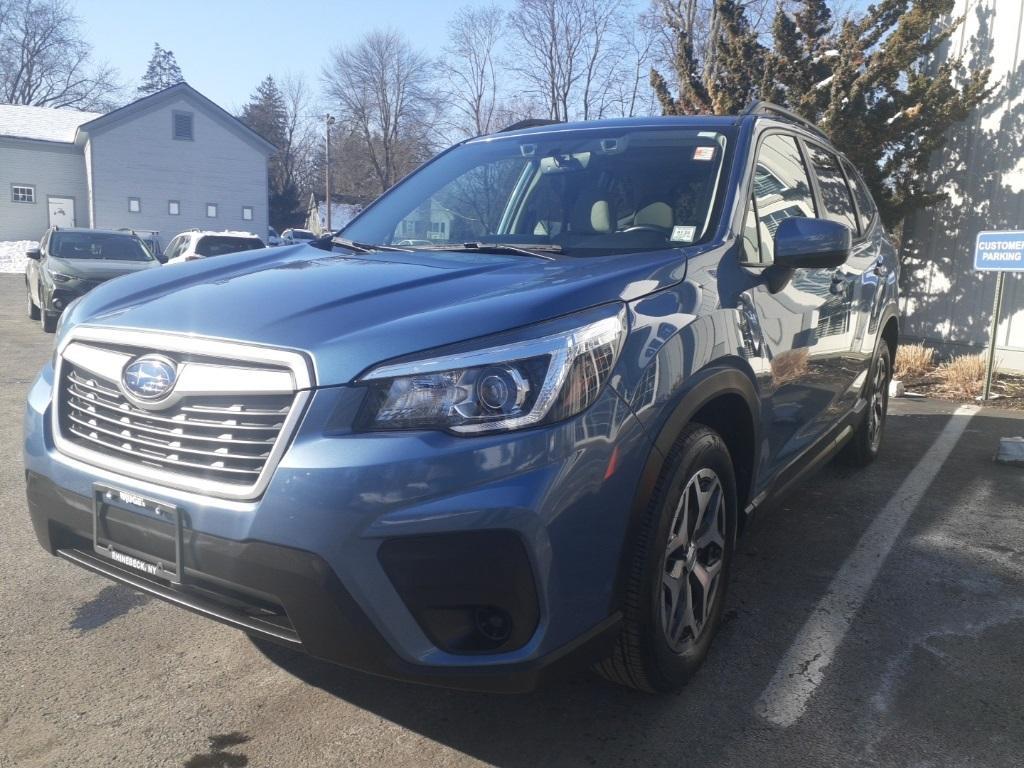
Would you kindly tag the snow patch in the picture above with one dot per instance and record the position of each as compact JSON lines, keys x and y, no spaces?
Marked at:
{"x":12,"y":255}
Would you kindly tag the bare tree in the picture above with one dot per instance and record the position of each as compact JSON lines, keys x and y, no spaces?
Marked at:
{"x":471,"y":65}
{"x":44,"y":60}
{"x":300,"y":133}
{"x":568,"y":52}
{"x":381,"y":87}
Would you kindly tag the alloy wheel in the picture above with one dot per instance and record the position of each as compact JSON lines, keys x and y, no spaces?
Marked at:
{"x":693,"y":559}
{"x":879,"y":400}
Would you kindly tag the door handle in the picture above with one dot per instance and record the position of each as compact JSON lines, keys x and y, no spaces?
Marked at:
{"x":838,"y":285}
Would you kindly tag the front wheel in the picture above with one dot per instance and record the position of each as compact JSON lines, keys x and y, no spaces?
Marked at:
{"x":47,"y":320}
{"x":867,"y":440}
{"x":680,"y":567}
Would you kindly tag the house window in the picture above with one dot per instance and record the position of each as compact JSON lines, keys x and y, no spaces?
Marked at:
{"x":247,"y":213}
{"x":23,"y":193}
{"x":134,"y":205}
{"x":211,"y":210}
{"x":173,"y":208}
{"x":182,"y":122}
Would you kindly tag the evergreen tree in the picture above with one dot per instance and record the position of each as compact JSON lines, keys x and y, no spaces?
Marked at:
{"x":267,"y":114}
{"x":161,"y":72}
{"x":873,"y":84}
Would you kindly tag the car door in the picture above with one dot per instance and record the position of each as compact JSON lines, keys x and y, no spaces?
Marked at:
{"x":787,"y":322}
{"x":853,"y":284}
{"x":173,"y":248}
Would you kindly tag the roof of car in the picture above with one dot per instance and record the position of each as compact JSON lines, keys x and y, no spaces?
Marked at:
{"x":687,"y":121}
{"x":756,"y":111}
{"x":222,"y":233}
{"x":88,"y":231}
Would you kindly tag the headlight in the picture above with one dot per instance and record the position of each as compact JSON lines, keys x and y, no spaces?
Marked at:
{"x":503,"y":386}
{"x":60,"y":277}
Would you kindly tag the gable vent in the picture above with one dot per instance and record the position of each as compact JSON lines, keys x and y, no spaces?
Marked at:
{"x":183,"y":125}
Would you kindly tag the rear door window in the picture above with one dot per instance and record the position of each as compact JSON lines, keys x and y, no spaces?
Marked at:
{"x":865,"y":205}
{"x":782,"y":189}
{"x":835,"y":195}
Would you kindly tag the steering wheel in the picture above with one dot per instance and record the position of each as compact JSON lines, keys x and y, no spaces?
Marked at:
{"x":645,"y":228}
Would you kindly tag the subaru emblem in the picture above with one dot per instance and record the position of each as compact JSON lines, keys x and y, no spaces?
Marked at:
{"x":149,"y":377}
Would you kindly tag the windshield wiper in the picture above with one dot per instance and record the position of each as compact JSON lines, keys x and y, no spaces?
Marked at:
{"x":538,"y":251}
{"x":328,"y":241}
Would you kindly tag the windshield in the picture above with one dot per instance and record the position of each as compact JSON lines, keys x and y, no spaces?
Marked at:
{"x":587,"y":192}
{"x":218,"y":245}
{"x":97,"y":245}
{"x":302,"y":234}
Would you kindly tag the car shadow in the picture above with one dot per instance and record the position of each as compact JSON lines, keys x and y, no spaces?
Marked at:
{"x":581,"y":720}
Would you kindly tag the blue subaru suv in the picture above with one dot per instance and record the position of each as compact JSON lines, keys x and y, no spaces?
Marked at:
{"x":513,"y":415}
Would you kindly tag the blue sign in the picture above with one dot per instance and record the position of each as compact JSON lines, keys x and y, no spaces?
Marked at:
{"x":999,"y":251}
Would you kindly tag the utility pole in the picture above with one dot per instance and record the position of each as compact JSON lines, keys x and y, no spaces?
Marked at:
{"x":328,"y":122}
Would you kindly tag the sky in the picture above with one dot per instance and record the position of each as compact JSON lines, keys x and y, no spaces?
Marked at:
{"x":225,"y":47}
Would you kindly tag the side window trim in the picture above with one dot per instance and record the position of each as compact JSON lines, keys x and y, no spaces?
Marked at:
{"x":819,"y":199}
{"x":749,"y":191}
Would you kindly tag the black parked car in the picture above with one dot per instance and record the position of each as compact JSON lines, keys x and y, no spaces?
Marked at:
{"x":68,"y":263}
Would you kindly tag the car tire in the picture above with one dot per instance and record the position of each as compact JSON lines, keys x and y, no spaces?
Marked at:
{"x":33,"y":310}
{"x":863,"y":447}
{"x":682,"y":553}
{"x":47,"y":320}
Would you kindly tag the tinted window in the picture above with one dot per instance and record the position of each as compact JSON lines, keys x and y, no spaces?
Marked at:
{"x":97,"y":245}
{"x":782,"y":189}
{"x":865,"y":205}
{"x":217,"y":245}
{"x":835,"y":195}
{"x":302,"y":234}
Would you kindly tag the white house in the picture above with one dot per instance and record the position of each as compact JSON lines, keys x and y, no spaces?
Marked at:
{"x":168,"y":162}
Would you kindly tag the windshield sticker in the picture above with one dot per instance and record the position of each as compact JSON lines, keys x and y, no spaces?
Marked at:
{"x":683,"y":234}
{"x":704,"y":153}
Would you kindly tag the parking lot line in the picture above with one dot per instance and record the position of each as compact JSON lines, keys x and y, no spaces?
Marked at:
{"x":803,"y":667}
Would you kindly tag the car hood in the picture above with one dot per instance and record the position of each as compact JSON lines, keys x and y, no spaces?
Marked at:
{"x":96,"y":269}
{"x":351,"y":311}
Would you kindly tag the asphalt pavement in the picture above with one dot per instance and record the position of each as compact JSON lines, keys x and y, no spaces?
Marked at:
{"x":874,"y":619}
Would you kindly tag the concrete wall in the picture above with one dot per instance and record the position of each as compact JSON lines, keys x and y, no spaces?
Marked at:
{"x":138,"y":157}
{"x":54,"y":169}
{"x":981,"y":169}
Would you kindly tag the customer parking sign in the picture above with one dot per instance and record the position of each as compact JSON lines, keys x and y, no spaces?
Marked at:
{"x":999,"y":251}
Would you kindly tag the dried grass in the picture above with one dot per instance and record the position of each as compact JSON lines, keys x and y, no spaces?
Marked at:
{"x":789,"y":366}
{"x":913,"y":361}
{"x":963,"y":376}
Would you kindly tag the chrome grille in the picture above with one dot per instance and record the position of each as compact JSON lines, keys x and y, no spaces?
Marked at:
{"x":221,"y":431}
{"x":227,"y":438}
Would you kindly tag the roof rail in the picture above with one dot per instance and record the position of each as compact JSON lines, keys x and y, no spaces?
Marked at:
{"x":532,"y":122}
{"x":768,"y":109}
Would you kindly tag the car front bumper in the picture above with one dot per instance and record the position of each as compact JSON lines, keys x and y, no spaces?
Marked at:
{"x":365,"y":548}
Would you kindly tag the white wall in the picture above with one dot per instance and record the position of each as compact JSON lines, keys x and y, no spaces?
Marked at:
{"x":982,"y":170}
{"x":56,"y":170}
{"x":139,"y":158}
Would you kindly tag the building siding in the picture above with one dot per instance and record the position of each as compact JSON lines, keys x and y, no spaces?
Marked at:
{"x":138,"y":157}
{"x":981,"y":169}
{"x":55,"y":170}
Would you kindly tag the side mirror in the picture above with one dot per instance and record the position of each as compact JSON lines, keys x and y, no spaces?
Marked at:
{"x":808,"y":243}
{"x":34,"y":253}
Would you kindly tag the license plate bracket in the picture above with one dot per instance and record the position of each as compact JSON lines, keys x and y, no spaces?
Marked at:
{"x":106,"y":497}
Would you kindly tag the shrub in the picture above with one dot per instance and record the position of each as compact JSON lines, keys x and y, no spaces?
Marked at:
{"x":963,"y":376}
{"x":913,"y":361}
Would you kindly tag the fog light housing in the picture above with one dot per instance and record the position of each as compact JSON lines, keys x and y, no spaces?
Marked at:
{"x":58,"y":302}
{"x":470,"y":592}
